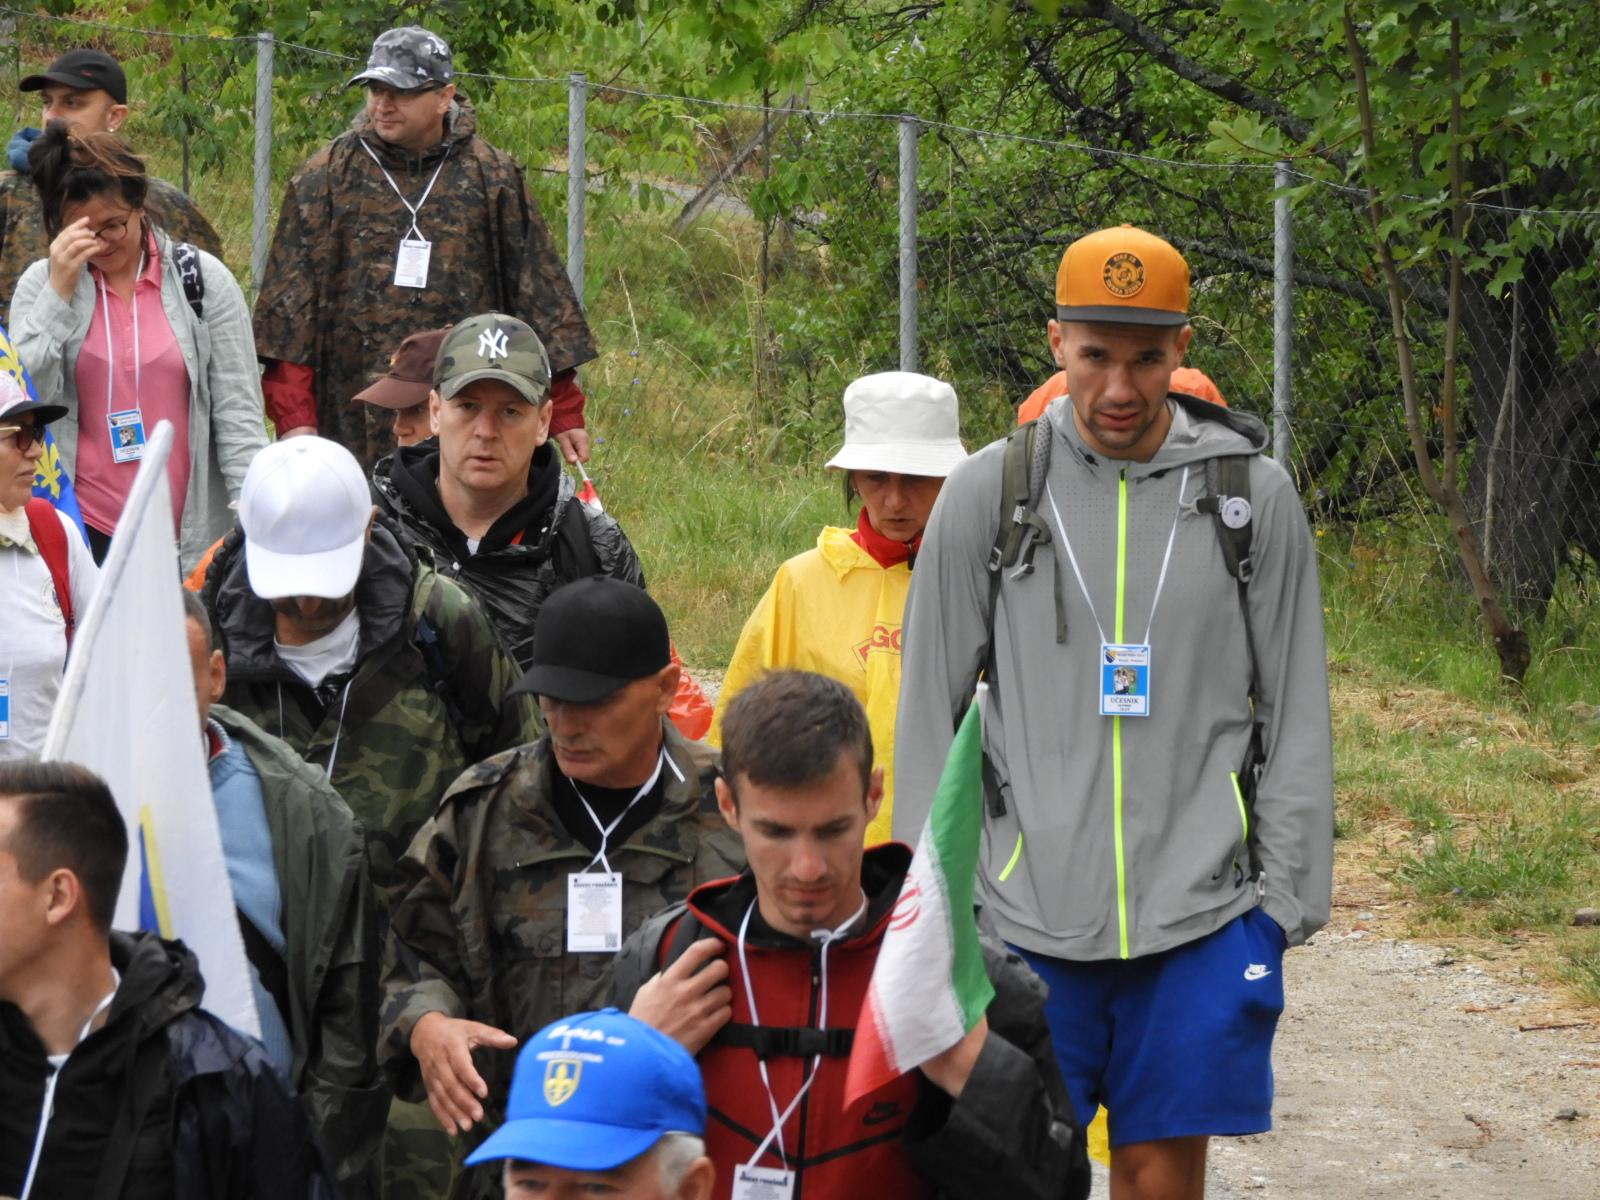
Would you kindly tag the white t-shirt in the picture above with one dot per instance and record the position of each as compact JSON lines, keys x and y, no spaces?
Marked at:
{"x":33,"y":633}
{"x":331,"y":654}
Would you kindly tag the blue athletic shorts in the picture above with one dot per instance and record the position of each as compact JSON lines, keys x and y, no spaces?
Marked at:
{"x":1176,"y":1044}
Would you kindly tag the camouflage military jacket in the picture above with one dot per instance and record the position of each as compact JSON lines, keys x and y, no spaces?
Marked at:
{"x":479,"y":928}
{"x":412,"y":716}
{"x":328,"y":298}
{"x":22,"y":238}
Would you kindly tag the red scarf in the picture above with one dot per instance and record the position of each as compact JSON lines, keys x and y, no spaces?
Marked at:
{"x":884,"y":551}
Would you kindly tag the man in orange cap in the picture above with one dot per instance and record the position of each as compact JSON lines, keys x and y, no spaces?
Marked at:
{"x":1159,"y":816}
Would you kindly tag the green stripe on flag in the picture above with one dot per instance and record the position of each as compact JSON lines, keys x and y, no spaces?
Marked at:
{"x":955,"y":831}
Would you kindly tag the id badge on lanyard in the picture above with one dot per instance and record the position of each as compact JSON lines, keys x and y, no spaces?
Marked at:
{"x":1125,"y":680}
{"x":411,"y":263}
{"x":126,"y":429}
{"x":762,"y":1183}
{"x":594,"y":913}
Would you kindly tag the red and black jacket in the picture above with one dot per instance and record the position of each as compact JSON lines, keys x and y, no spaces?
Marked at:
{"x":1010,"y":1133}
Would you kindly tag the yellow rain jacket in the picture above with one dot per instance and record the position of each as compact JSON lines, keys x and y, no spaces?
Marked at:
{"x":835,"y":611}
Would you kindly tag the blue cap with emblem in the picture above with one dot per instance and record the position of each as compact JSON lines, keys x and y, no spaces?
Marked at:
{"x":594,"y":1091}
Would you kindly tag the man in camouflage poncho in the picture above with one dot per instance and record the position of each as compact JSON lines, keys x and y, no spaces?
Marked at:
{"x":486,"y":945}
{"x":339,"y":291}
{"x":88,"y":90}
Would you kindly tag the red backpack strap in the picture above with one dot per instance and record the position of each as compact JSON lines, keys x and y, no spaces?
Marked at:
{"x":51,"y":539}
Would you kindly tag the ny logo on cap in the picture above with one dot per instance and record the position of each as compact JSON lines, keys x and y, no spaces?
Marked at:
{"x":493,"y":344}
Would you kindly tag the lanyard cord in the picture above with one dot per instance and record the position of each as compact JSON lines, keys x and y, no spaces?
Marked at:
{"x":50,"y":1088}
{"x":416,"y":208}
{"x":111,"y":358}
{"x":606,"y":831}
{"x":338,"y":730}
{"x":827,"y":937}
{"x":1161,"y":579}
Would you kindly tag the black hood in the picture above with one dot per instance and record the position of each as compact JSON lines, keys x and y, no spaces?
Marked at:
{"x":245,"y":621}
{"x":408,"y":480}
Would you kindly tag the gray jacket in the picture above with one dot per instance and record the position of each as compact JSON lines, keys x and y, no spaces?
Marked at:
{"x":1126,"y":842}
{"x":227,"y":424}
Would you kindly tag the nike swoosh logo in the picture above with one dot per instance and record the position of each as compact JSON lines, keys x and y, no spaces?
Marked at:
{"x":1256,"y":971}
{"x":880,"y":1113}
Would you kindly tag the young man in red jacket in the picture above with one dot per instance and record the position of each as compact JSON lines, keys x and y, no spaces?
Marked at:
{"x":762,"y":977}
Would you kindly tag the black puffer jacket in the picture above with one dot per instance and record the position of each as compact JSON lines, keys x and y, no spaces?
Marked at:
{"x":549,"y":539}
{"x":163,"y":1101}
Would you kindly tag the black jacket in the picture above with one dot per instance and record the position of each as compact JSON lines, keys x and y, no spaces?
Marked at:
{"x":551,"y":538}
{"x":163,"y":1101}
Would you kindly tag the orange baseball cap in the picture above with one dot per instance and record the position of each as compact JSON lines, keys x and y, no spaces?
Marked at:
{"x":1123,"y":276}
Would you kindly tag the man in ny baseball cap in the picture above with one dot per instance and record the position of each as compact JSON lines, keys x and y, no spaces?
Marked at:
{"x":602,"y":1099}
{"x":489,"y":496}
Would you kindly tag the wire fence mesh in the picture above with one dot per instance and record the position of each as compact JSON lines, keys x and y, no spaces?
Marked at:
{"x":751,"y":253}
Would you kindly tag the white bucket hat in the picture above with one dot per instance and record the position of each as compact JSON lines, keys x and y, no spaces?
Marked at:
{"x":902,"y":422}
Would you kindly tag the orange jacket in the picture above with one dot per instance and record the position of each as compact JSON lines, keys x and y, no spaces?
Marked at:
{"x":1188,"y":380}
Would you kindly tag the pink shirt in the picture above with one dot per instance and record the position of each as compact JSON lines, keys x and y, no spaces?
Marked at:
{"x":162,"y":393}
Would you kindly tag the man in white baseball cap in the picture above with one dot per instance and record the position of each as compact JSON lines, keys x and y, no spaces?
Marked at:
{"x":836,"y":609}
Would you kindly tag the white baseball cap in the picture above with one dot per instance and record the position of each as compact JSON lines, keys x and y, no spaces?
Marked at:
{"x":902,"y":422}
{"x":304,"y":509}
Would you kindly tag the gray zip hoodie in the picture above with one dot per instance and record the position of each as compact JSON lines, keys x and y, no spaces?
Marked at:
{"x":1123,"y":837}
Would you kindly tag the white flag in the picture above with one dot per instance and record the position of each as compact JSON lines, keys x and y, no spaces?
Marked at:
{"x":127,"y":711}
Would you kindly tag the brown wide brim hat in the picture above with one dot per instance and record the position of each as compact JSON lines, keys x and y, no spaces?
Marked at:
{"x":410,"y":375}
{"x":388,"y":392}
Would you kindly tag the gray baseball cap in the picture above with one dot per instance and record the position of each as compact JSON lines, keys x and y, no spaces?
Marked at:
{"x":408,"y":58}
{"x":493,"y":346}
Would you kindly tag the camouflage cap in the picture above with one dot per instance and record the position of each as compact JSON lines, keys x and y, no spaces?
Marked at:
{"x":408,"y":58}
{"x":493,"y":346}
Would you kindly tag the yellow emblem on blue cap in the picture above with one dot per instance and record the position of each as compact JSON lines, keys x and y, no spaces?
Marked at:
{"x":561,"y":1076}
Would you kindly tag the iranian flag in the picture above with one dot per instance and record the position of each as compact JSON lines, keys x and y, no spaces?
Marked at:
{"x":929,"y":987}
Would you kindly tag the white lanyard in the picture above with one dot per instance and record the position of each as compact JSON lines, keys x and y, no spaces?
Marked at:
{"x":1161,"y":579}
{"x":827,"y":937}
{"x":607,"y":830}
{"x":413,"y":209}
{"x":111,"y":358}
{"x":50,"y":1088}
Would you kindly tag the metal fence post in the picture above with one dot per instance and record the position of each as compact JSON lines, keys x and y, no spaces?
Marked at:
{"x":261,"y":208}
{"x":1282,"y":316}
{"x":909,"y":128}
{"x":577,"y":175}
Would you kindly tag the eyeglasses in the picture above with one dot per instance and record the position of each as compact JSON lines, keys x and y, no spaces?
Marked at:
{"x":26,"y":436}
{"x":113,"y":231}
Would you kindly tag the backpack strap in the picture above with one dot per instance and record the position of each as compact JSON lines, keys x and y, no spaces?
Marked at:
{"x":186,"y":259}
{"x":51,"y":539}
{"x":574,"y":545}
{"x":432,"y":650}
{"x":786,"y":1041}
{"x":1227,"y":499}
{"x":642,"y":953}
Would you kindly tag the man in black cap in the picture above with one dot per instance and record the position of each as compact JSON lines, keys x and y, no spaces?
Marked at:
{"x":541,"y":860}
{"x":88,"y":90}
{"x":406,"y":220}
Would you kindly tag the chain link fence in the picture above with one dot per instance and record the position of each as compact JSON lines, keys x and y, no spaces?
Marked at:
{"x":750,"y":259}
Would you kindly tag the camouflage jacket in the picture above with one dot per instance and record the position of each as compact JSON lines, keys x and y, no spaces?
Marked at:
{"x":328,"y":299}
{"x":331,"y":953}
{"x":22,"y":238}
{"x":426,"y":700}
{"x":567,"y":541}
{"x":479,"y":927}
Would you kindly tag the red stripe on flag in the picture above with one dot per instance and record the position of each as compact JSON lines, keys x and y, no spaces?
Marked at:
{"x":871,"y":1065}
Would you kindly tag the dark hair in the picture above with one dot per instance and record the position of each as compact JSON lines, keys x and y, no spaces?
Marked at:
{"x":71,"y":168}
{"x":66,"y":818}
{"x":194,"y":609}
{"x":788,"y":729}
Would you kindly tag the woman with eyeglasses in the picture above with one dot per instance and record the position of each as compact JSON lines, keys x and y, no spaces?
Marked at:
{"x":34,"y":631}
{"x":125,"y":328}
